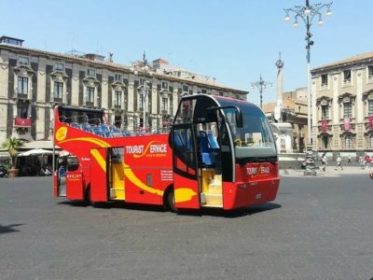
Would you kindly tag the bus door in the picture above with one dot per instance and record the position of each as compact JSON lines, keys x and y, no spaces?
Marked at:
{"x":116,"y":173}
{"x":60,"y":177}
{"x":186,"y":186}
{"x":209,"y":165}
{"x":99,"y":175}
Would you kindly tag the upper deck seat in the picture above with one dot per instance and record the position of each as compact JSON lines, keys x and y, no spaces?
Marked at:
{"x":115,"y":132}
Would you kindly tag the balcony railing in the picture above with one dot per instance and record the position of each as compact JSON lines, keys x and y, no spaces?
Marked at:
{"x":57,"y":99}
{"x":21,"y":95}
{"x":21,"y":122}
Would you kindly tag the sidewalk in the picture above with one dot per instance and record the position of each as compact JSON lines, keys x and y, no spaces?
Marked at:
{"x":331,"y":171}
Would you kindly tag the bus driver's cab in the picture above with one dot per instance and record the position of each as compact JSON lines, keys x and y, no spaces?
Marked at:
{"x":215,"y":140}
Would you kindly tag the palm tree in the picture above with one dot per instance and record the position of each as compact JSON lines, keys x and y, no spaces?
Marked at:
{"x":11,"y":145}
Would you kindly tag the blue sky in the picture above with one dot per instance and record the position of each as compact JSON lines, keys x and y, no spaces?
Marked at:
{"x":233,"y":41}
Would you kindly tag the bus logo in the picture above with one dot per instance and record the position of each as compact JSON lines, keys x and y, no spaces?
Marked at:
{"x":61,"y":133}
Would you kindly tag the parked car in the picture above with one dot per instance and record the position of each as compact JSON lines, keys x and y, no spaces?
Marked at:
{"x":3,"y":171}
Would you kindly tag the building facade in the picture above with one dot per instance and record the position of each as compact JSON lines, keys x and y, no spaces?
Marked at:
{"x":294,"y":112}
{"x":342,"y":108}
{"x":32,"y":81}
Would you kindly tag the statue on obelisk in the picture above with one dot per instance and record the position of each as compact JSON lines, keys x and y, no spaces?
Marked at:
{"x":281,"y":129}
{"x":279,"y":89}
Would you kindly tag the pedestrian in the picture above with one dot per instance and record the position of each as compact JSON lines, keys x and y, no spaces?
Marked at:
{"x":339,"y":162}
{"x":361,"y":162}
{"x":367,"y":160}
{"x":349,"y":159}
{"x":323,"y":163}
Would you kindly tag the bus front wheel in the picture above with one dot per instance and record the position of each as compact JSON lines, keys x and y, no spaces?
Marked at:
{"x":170,"y":200}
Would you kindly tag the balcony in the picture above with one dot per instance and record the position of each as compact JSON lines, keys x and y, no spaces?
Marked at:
{"x":117,"y":107}
{"x":89,"y":104}
{"x":21,"y":95}
{"x":21,"y":122}
{"x":57,"y":99}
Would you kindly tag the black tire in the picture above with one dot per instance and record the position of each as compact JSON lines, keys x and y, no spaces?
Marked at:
{"x":87,"y":195}
{"x":170,"y":200}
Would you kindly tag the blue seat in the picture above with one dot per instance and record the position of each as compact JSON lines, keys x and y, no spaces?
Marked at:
{"x":207,"y":159}
{"x":115,"y":132}
{"x":214,"y":145}
{"x":205,"y":149}
{"x":99,"y":131}
{"x":88,"y":128}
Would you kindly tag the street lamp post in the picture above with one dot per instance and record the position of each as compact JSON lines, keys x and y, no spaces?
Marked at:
{"x":308,"y":13}
{"x":260,"y":85}
{"x":144,"y":93}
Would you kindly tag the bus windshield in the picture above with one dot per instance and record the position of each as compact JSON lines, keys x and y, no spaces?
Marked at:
{"x":254,"y":138}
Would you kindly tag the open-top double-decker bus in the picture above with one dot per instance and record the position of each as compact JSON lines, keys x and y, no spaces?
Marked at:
{"x":219,"y":153}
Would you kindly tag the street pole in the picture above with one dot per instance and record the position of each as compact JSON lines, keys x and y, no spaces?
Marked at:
{"x":143,"y":106}
{"x":260,"y":85}
{"x":307,"y":13}
{"x":309,"y":92}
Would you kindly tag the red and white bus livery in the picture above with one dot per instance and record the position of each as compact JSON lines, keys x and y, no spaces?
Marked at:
{"x":219,"y":153}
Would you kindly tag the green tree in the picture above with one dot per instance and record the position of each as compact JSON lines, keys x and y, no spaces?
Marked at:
{"x":11,"y":145}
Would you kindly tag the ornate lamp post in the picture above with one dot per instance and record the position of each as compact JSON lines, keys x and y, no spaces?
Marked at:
{"x":307,"y":14}
{"x":260,"y":85}
{"x":145,"y":87}
{"x":144,"y":94}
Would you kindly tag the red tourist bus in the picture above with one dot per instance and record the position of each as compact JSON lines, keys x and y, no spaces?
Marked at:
{"x":219,"y":153}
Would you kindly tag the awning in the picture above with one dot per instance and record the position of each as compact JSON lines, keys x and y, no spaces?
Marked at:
{"x":4,"y":155}
{"x":39,"y":144}
{"x":35,"y":152}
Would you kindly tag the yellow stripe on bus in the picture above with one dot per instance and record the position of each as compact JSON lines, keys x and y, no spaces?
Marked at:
{"x":137,"y":182}
{"x":100,"y":160}
{"x":98,"y":142}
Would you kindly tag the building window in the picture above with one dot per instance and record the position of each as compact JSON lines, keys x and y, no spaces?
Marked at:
{"x":59,"y":67}
{"x":325,"y":112}
{"x":118,"y":121}
{"x":91,"y":72}
{"x":325,"y":141}
{"x":22,"y":110}
{"x":12,"y":41}
{"x":22,"y":85}
{"x":347,"y":110}
{"x":348,"y":142}
{"x":164,"y":85}
{"x":23,"y":60}
{"x":324,"y":80}
{"x":370,"y":107}
{"x":370,"y":72}
{"x":58,"y":90}
{"x":117,"y":98}
{"x":164,"y":105}
{"x":347,"y":76}
{"x":118,"y":77}
{"x":185,"y":88}
{"x":141,"y":101}
{"x":90,"y":94}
